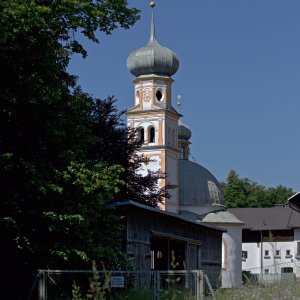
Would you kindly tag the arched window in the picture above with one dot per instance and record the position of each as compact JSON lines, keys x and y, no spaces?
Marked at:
{"x":151,"y":134}
{"x":181,"y":152}
{"x":141,"y":134}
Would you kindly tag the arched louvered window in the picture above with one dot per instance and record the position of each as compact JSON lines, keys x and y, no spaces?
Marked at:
{"x":141,"y":134}
{"x":151,"y":134}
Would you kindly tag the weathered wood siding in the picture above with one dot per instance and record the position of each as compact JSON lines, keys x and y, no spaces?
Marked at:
{"x":141,"y":223}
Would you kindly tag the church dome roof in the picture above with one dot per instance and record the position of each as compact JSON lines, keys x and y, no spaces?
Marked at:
{"x":184,"y":132}
{"x":152,"y":58}
{"x":198,"y":186}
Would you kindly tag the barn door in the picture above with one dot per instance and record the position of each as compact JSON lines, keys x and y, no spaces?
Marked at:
{"x":192,"y":256}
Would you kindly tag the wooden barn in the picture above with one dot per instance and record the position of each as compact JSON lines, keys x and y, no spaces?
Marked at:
{"x":161,"y":240}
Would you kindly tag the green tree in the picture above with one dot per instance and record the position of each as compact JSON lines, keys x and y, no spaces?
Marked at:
{"x":243,"y":192}
{"x":53,"y":195}
{"x":114,"y":143}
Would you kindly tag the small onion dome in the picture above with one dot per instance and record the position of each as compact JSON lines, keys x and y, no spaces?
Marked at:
{"x":184,"y":132}
{"x":152,"y":58}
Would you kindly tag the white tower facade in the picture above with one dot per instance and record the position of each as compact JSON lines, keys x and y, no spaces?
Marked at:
{"x":152,"y":116}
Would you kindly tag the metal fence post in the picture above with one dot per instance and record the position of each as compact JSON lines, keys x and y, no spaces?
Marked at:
{"x":155,"y":285}
{"x":199,"y":285}
{"x":42,"y":285}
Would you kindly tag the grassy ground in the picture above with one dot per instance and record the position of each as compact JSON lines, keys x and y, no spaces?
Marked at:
{"x":279,"y":291}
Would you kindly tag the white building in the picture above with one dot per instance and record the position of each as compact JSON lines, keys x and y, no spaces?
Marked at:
{"x":165,"y":146}
{"x":271,"y":241}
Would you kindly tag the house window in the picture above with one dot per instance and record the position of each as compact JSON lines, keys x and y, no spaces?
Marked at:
{"x":277,"y":253}
{"x":266,"y":271}
{"x":141,"y":134}
{"x":298,"y":249}
{"x":244,"y":255}
{"x":287,"y":270}
{"x":151,"y":134}
{"x":288,"y":254}
{"x":267,"y":254}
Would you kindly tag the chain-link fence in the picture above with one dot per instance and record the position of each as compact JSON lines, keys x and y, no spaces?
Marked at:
{"x":158,"y":285}
{"x":276,"y":281}
{"x":273,"y":281}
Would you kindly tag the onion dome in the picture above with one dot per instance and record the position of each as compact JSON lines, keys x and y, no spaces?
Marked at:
{"x":184,"y":132}
{"x":153,"y":58}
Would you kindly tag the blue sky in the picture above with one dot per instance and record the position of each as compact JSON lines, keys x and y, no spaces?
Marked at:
{"x":239,"y":78}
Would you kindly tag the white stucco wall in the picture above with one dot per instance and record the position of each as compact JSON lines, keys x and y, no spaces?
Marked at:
{"x":270,"y":263}
{"x":231,"y":256}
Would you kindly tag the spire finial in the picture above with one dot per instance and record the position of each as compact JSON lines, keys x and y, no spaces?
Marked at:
{"x":152,"y":35}
{"x":179,"y":102}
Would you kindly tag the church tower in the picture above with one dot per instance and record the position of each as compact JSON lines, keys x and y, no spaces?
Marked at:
{"x":152,"y":115}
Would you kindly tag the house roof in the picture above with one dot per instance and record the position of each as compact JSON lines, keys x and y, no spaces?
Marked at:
{"x":166,"y":213}
{"x":268,"y":218}
{"x":294,"y":202}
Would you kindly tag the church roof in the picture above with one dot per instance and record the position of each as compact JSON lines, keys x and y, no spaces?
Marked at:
{"x":198,"y":186}
{"x":152,"y":58}
{"x":184,"y":132}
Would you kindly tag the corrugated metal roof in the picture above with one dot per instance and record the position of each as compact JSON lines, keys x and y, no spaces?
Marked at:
{"x":267,"y":218}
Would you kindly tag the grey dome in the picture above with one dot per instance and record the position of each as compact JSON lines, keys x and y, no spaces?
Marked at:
{"x":184,"y":132}
{"x":197,"y":186}
{"x":152,"y":58}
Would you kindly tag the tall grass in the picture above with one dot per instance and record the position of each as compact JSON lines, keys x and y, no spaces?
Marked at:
{"x":276,"y":291}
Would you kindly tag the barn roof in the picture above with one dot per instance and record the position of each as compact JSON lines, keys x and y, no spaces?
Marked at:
{"x":267,"y":218}
{"x":129,"y":203}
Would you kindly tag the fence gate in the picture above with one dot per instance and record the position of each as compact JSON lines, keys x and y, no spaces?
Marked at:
{"x":187,"y":285}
